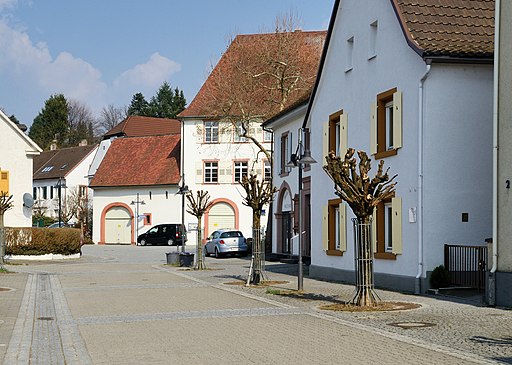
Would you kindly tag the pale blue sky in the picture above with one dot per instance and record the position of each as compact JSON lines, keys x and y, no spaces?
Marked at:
{"x":103,"y":51}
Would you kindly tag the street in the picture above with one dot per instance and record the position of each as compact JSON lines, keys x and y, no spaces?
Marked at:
{"x":123,"y":305}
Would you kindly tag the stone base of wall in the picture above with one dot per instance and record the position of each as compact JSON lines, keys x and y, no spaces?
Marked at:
{"x":405,"y":284}
{"x":504,"y":289}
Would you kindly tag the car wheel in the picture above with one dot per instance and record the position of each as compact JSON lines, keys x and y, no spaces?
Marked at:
{"x":217,"y":253}
{"x":170,"y":242}
{"x":143,"y":242}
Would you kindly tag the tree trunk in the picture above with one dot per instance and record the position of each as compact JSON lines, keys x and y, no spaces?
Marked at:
{"x":2,"y":241}
{"x":256,"y":276}
{"x":365,"y":294}
{"x":200,"y":265}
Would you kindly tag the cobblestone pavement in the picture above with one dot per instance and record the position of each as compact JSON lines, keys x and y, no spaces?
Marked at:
{"x":122,"y":305}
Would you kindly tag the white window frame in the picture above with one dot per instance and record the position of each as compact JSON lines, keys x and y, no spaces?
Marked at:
{"x":211,"y":132}
{"x":267,"y":136}
{"x":211,"y":172}
{"x":238,"y":131}
{"x":388,"y":227}
{"x":267,"y":170}
{"x":240,"y":168}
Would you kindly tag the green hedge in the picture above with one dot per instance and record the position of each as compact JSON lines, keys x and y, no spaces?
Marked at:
{"x":41,"y":241}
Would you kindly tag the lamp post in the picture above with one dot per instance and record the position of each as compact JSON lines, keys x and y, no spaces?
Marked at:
{"x":301,"y":157}
{"x":183,"y":190}
{"x":61,"y":183}
{"x":137,"y":203}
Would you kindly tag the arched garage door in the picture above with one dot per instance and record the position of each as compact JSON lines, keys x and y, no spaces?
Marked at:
{"x":221,"y":216}
{"x":118,"y":226}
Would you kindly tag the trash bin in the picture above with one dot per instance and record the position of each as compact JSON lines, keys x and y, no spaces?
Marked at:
{"x":173,"y":258}
{"x":186,"y":259}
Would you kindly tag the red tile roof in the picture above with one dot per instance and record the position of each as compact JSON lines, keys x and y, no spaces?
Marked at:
{"x":59,"y":163}
{"x":241,"y":51}
{"x":137,"y":126}
{"x":453,"y":28}
{"x":140,"y":161}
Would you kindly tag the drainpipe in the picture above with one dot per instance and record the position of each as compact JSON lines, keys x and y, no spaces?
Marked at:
{"x":492,"y":280}
{"x":417,"y":283}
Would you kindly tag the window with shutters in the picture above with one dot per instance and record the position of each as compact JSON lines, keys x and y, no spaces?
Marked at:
{"x":211,"y":132}
{"x":386,"y":124}
{"x":4,"y":181}
{"x":211,"y":172}
{"x":241,"y":170}
{"x":336,"y":134}
{"x":336,"y":228}
{"x":388,"y":228}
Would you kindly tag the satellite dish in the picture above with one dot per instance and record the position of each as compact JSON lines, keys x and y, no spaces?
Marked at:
{"x":28,"y":201}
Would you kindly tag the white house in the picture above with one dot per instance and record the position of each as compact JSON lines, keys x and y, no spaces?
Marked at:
{"x":65,"y":167}
{"x":409,"y":82}
{"x":135,"y":187}
{"x":216,"y":156}
{"x":17,"y":151}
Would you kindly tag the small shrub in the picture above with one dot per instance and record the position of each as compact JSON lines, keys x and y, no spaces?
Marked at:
{"x":440,"y":277}
{"x":41,"y":241}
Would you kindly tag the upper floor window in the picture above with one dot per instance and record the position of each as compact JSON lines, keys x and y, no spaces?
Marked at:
{"x":211,"y":132}
{"x":267,"y":136}
{"x":349,"y":54}
{"x":241,"y":170}
{"x":240,"y":130}
{"x":211,"y":172}
{"x":386,"y":124}
{"x":82,"y":191}
{"x":336,"y":134}
{"x":372,"y":50}
{"x":286,"y":146}
{"x":267,"y":171}
{"x":44,"y":191}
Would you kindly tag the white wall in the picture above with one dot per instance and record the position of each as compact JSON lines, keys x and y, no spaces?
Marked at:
{"x":16,"y":154}
{"x":458,"y":112}
{"x":163,"y":208}
{"x":195,"y":151}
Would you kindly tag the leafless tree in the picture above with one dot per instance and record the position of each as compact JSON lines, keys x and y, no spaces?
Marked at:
{"x":258,"y":194}
{"x":82,"y":124}
{"x":197,"y":206}
{"x":110,"y":116}
{"x":362,"y":194}
{"x":5,"y":205}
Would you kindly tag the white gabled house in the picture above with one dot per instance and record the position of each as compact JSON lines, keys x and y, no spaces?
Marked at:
{"x":409,"y":82}
{"x":17,"y":152}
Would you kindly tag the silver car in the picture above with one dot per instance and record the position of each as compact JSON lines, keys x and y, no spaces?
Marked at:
{"x":226,"y":242}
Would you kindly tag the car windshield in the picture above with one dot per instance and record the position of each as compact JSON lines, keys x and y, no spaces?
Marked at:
{"x":231,"y":234}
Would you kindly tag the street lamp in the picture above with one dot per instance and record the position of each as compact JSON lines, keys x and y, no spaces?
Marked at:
{"x":301,"y":157}
{"x":183,"y":190}
{"x":137,"y":203}
{"x":61,"y":183}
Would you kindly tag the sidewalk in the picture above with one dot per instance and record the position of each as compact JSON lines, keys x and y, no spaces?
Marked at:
{"x":122,"y":305}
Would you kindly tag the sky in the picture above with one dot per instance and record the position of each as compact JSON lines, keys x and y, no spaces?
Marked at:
{"x":102,"y":52}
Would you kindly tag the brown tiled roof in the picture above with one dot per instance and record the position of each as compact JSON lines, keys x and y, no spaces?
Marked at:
{"x":140,"y":161}
{"x":453,"y":28}
{"x":58,"y":163}
{"x":241,"y":51}
{"x":137,"y":126}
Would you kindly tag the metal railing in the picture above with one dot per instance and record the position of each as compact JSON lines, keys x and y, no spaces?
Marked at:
{"x":466,"y":265}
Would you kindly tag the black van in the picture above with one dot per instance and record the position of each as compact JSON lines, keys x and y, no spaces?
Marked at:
{"x":162,"y":234}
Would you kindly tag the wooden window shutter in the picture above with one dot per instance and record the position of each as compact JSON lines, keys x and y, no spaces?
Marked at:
{"x":396,"y":207}
{"x":4,"y":181}
{"x":374,"y":230}
{"x":325,"y":141}
{"x":199,"y":172}
{"x":397,"y":119}
{"x":343,"y":134}
{"x":296,"y":213}
{"x":343,"y":227}
{"x":325,"y":227}
{"x":373,"y":129}
{"x":225,"y":172}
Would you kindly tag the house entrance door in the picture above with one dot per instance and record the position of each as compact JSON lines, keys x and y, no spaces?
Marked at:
{"x":286,"y":231}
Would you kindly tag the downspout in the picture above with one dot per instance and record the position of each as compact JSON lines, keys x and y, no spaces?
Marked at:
{"x":417,"y":283}
{"x":492,"y":281}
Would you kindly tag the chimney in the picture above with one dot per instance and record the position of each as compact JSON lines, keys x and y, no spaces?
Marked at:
{"x":53,"y":146}
{"x":82,"y":143}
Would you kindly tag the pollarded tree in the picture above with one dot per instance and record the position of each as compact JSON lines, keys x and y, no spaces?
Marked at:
{"x":197,"y":207}
{"x":5,"y":205}
{"x":259,"y":193}
{"x":362,"y":193}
